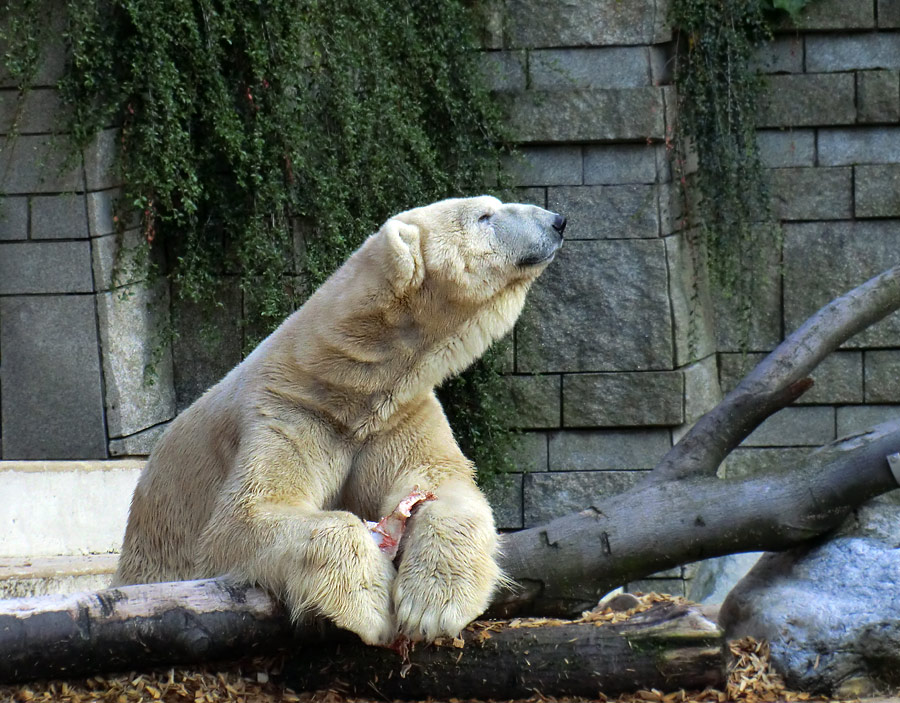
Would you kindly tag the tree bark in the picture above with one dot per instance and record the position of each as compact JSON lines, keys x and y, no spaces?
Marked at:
{"x":669,"y":647}
{"x":565,"y":566}
{"x":136,"y":626}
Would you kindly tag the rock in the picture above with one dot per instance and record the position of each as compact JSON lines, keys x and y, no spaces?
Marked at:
{"x":714,"y":578}
{"x":830,"y":610}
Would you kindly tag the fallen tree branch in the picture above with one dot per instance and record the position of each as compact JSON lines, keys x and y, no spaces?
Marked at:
{"x":669,"y":647}
{"x":779,"y":379}
{"x":566,"y":565}
{"x":136,"y":626}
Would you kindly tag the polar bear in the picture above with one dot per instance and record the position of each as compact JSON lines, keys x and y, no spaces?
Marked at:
{"x":333,"y":419}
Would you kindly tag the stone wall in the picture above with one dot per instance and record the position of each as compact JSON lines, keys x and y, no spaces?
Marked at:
{"x":614,"y":356}
{"x":604,"y":374}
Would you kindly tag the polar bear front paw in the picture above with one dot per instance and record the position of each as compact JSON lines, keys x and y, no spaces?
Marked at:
{"x":438,"y":593}
{"x":368,"y":610}
{"x":425,"y":613}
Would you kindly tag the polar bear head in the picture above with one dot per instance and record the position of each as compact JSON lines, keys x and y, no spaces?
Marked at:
{"x":471,"y":249}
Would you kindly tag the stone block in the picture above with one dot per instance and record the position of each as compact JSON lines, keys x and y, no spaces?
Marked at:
{"x":546,"y":166}
{"x":52,"y":404}
{"x":137,"y":359}
{"x":673,"y":211}
{"x":601,"y":306}
{"x":137,"y":445}
{"x":503,"y":71}
{"x":121,"y":260}
{"x":783,"y":54}
{"x":34,"y":164}
{"x":552,"y":495}
{"x":505,"y":496}
{"x":662,"y":64}
{"x":45,"y":267}
{"x":594,"y":68}
{"x":888,"y":14}
{"x":812,"y":193}
{"x":823,"y":260}
{"x":608,"y":212}
{"x":612,"y":164}
{"x":701,"y":390}
{"x":692,"y":308}
{"x":667,"y":586}
{"x":876,"y":145}
{"x":207,"y":343}
{"x":787,"y":148}
{"x":809,"y":99}
{"x":530,"y":451}
{"x":763,"y":330}
{"x":535,"y":400}
{"x":607,"y":450}
{"x":852,"y":52}
{"x":878,"y":96}
{"x":586,"y":115}
{"x":13,"y":218}
{"x":623,"y":399}
{"x":534,"y":196}
{"x":809,"y":426}
{"x":58,"y":217}
{"x":37,"y":112}
{"x":852,"y":419}
{"x":489,"y":22}
{"x":883,"y":376}
{"x":52,"y":59}
{"x":745,"y":462}
{"x":536,"y":24}
{"x":838,"y":378}
{"x":877,"y":190}
{"x":102,"y":208}
{"x":835,"y":14}
{"x":101,"y":161}
{"x":714,"y":578}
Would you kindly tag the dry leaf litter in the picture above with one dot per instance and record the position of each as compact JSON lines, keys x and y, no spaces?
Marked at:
{"x":751,"y":678}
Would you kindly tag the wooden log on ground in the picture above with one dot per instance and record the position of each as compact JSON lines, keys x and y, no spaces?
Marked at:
{"x":669,"y":647}
{"x":136,"y":626}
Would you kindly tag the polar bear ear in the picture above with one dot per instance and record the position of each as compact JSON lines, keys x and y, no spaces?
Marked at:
{"x":405,"y":266}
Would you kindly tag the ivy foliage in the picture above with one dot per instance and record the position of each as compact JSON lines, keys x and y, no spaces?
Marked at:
{"x":719,"y":94}
{"x":719,"y":98}
{"x":263,"y":140}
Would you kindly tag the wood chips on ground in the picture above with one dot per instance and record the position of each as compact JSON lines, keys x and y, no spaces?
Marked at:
{"x":751,"y":678}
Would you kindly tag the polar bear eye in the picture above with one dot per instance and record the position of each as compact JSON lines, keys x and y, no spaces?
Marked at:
{"x":484,"y":218}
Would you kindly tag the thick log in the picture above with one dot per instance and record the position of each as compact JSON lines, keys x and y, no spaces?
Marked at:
{"x":668,"y":647}
{"x":563,"y":567}
{"x":136,"y":626}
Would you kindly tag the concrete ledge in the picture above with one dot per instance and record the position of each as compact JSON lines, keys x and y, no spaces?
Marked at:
{"x":68,"y":465}
{"x":64,"y":508}
{"x":56,"y":567}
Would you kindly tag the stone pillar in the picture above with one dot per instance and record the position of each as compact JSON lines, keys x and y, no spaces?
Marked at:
{"x":76,"y":332}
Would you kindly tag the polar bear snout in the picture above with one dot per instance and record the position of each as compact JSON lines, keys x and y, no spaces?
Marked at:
{"x":559,"y":224}
{"x":533,"y":235}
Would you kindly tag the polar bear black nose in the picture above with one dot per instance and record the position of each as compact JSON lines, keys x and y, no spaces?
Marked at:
{"x":559,"y":223}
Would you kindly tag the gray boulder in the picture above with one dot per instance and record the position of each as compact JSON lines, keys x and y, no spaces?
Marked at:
{"x":830,"y":610}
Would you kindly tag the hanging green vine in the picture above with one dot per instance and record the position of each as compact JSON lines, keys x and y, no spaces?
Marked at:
{"x":719,"y":98}
{"x":266,"y":140}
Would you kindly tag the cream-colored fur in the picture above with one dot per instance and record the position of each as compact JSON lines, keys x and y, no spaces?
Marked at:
{"x":333,"y":418}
